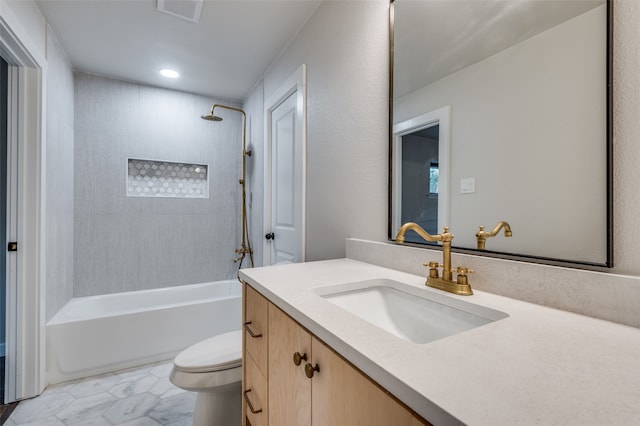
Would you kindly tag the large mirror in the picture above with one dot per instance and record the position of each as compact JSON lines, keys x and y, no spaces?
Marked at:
{"x":501,"y":112}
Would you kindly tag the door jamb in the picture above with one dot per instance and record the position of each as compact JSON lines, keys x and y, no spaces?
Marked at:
{"x":25,"y":375}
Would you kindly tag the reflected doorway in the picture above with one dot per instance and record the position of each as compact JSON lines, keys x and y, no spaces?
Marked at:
{"x":420,"y":177}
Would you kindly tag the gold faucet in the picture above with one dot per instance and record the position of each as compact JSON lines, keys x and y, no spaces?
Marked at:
{"x":482,"y":235}
{"x":446,"y":282}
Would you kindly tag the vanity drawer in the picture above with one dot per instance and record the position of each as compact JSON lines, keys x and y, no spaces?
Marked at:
{"x":254,"y":394}
{"x":255,"y":328}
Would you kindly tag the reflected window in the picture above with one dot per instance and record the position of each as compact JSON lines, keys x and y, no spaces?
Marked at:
{"x":434,"y":178}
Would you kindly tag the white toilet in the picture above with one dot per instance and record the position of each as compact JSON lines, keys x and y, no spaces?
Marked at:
{"x":213,"y":369}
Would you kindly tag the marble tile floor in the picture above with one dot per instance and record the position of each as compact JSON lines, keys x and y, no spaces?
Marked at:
{"x":141,"y":396}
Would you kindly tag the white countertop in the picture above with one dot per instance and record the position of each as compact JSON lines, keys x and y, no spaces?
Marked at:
{"x":538,"y":366}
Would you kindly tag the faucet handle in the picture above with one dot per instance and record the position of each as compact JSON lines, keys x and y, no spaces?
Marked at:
{"x":433,"y":269}
{"x":462,"y":272}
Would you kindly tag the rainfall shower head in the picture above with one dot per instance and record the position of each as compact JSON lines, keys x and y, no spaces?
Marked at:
{"x":211,"y":117}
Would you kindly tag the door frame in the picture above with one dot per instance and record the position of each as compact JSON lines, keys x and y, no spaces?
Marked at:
{"x":297,"y":84}
{"x":25,"y":328}
{"x":441,"y":117}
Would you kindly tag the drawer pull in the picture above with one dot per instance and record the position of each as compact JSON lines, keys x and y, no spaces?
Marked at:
{"x":249,"y":404}
{"x":297,"y":358}
{"x":251,"y":333}
{"x":309,"y":370}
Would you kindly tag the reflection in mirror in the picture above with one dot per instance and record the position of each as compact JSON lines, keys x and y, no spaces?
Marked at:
{"x":522,"y":87}
{"x":421,"y":173}
{"x":483,"y":234}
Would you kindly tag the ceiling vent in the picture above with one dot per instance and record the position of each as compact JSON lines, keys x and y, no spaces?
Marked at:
{"x":185,"y":9}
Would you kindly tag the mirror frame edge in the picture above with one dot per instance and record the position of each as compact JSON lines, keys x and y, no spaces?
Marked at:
{"x":608,"y":263}
{"x":390,"y":130}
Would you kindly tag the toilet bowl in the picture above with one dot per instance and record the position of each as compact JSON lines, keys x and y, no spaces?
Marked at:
{"x":213,"y":369}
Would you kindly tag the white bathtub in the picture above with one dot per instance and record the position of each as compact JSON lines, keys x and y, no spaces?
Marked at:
{"x":100,"y":334}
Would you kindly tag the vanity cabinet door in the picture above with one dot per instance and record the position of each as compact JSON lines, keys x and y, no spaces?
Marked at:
{"x":289,"y":388}
{"x":255,"y":405}
{"x":344,"y":396}
{"x":256,"y":327}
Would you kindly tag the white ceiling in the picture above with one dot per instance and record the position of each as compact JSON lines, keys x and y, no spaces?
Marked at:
{"x":222,"y":56}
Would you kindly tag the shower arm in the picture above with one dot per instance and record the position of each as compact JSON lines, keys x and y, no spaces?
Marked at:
{"x":245,"y":247}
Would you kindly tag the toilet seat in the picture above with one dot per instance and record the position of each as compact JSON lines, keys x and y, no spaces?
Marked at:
{"x":218,"y":353}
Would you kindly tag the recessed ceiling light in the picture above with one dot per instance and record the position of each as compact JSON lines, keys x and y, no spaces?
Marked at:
{"x":169,"y":73}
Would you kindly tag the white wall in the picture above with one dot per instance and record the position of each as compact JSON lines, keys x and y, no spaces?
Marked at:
{"x":59,"y":177}
{"x":132,"y":243}
{"x":529,"y":139}
{"x":254,"y":107}
{"x":344,"y":45}
{"x":626,"y":134}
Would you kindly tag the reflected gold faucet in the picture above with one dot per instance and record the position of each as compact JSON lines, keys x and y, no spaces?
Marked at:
{"x":446,"y":282}
{"x":482,"y":235}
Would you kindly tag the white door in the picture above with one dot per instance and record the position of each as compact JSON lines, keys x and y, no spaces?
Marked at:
{"x":284,"y":173}
{"x":285,"y":221}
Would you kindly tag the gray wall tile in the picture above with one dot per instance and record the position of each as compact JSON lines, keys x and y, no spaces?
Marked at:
{"x":126,"y":243}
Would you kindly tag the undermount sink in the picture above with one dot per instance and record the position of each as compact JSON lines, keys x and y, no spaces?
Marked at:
{"x":411,"y":313}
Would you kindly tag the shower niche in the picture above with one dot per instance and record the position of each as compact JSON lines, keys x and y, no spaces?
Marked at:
{"x":151,"y":178}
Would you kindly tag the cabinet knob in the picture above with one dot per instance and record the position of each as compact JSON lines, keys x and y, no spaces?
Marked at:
{"x":297,"y":358}
{"x":309,"y":370}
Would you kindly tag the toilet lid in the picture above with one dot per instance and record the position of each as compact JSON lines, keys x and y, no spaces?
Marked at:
{"x":220,"y":352}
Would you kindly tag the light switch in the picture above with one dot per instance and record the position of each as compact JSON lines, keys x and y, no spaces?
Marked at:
{"x":468,"y":186}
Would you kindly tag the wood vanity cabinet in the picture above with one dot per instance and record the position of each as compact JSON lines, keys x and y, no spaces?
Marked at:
{"x":255,"y":342}
{"x":337,"y":393}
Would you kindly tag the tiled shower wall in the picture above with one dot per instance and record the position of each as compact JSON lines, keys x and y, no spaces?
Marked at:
{"x":126,"y":243}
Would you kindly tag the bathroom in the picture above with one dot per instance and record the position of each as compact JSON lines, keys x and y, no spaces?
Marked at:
{"x":347,"y":133}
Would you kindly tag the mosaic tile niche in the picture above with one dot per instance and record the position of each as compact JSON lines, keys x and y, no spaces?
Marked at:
{"x":147,"y":178}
